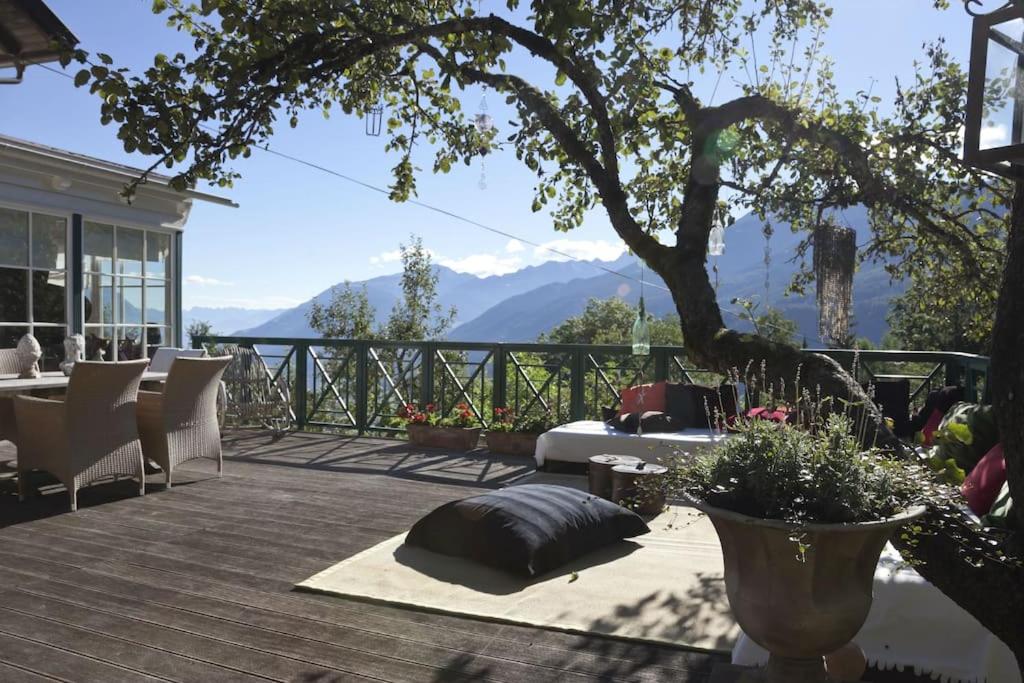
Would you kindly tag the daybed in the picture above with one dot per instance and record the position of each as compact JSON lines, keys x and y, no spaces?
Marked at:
{"x":577,"y":441}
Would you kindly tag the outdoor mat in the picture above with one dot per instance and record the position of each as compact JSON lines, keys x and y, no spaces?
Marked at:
{"x":665,"y":587}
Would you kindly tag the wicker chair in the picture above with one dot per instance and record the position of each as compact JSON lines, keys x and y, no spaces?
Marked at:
{"x":90,"y":435}
{"x":180,"y":423}
{"x":8,"y":425}
{"x":253,"y":396}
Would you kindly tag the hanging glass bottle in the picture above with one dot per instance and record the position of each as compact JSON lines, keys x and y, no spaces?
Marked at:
{"x":716,"y":240}
{"x":641,"y":335}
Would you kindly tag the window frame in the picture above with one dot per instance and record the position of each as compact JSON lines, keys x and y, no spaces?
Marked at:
{"x":169,"y":278}
{"x":30,"y":323}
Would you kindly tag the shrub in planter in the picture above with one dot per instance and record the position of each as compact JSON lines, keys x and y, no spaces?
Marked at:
{"x":510,"y":434}
{"x":458,"y":432}
{"x":802,"y":512}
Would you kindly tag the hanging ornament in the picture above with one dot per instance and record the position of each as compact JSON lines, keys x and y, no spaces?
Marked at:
{"x":835,"y":259}
{"x":641,"y":331}
{"x":484,"y":125}
{"x":374,"y":119}
{"x":767,"y":231}
{"x":716,"y":241}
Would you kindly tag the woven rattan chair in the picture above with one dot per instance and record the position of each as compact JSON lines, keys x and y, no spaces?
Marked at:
{"x":8,"y":425}
{"x":180,"y":423}
{"x":90,"y":435}
{"x":253,"y":396}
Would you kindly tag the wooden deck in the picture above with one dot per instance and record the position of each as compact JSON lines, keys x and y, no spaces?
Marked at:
{"x":195,"y":583}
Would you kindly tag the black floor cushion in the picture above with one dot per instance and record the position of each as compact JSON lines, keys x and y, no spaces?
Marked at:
{"x":525,"y":530}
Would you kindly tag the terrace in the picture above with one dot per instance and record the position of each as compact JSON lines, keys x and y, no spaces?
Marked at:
{"x":196,"y":582}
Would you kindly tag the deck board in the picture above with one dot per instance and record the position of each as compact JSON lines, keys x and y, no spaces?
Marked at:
{"x":195,"y":583}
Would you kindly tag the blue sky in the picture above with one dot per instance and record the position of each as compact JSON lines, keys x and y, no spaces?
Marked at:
{"x":298,"y":230}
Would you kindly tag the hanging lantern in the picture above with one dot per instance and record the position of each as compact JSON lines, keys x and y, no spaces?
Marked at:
{"x":374,"y":120}
{"x":994,"y":128}
{"x":716,"y":241}
{"x":835,"y":258}
{"x":641,"y":331}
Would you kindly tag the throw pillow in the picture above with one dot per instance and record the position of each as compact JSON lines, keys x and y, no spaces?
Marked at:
{"x":928,"y":431}
{"x":966,"y":433}
{"x":999,"y":515}
{"x":628,"y":423}
{"x":642,"y":398}
{"x":655,"y":422}
{"x":691,"y":403}
{"x":525,"y":530}
{"x":981,"y":487}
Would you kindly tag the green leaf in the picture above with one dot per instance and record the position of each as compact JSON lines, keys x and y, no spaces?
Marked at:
{"x":81,"y":78}
{"x":560,"y":78}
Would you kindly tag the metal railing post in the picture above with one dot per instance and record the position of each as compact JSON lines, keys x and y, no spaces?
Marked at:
{"x":660,"y":364}
{"x":301,"y":376}
{"x":428,"y":356}
{"x":362,"y":350}
{"x":577,"y":384}
{"x":500,"y":384}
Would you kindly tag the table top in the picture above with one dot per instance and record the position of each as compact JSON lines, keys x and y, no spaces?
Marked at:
{"x":10,"y":384}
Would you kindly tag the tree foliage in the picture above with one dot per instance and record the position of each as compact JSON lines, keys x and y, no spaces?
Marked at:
{"x":610,"y":321}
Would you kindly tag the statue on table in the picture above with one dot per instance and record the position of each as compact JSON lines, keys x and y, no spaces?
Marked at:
{"x":74,"y":351}
{"x":29,"y":353}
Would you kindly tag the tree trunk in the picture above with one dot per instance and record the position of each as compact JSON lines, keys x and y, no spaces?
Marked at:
{"x":713,"y":346}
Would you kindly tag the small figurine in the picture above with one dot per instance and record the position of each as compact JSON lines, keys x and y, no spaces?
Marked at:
{"x":29,"y":353}
{"x":74,"y":351}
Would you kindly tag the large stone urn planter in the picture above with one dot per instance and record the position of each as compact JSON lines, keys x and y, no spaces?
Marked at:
{"x":800,"y":610}
{"x":512,"y":443}
{"x":449,"y":438}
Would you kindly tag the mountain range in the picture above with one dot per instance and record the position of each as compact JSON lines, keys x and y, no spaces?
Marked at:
{"x":520,"y":305}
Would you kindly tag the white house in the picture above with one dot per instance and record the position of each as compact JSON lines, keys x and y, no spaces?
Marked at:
{"x":75,"y":257}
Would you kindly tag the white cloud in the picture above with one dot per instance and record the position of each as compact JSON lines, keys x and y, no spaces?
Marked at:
{"x":585,"y":250}
{"x":203,"y":281}
{"x":484,"y":265}
{"x":514,"y":246}
{"x":994,"y":136}
{"x":386,"y":257}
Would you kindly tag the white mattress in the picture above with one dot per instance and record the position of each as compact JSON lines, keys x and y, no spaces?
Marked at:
{"x":578,"y":441}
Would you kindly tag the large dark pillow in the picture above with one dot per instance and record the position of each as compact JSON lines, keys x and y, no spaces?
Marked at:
{"x":654,"y":422}
{"x":690,"y":403}
{"x":525,"y":530}
{"x":628,"y":423}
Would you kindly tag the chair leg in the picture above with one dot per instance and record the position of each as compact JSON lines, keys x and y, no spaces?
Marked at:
{"x":220,"y":465}
{"x":168,"y":476}
{"x":73,"y":492}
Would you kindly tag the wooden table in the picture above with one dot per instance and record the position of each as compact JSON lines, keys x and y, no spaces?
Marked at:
{"x":647,"y":498}
{"x":599,"y":472}
{"x":10,"y":384}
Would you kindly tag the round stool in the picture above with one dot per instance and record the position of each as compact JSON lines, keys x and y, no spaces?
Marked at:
{"x":647,"y":498}
{"x":599,"y":473}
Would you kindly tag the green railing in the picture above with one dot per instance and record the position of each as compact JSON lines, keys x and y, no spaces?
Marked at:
{"x":361,"y":385}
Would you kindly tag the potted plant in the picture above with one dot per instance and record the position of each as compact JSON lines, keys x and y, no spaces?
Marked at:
{"x":510,"y":434}
{"x":427,"y":427}
{"x":802,"y":513}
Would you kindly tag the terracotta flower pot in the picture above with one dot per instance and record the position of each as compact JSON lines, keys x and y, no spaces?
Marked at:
{"x":449,"y":438}
{"x":800,"y":611}
{"x":512,"y":443}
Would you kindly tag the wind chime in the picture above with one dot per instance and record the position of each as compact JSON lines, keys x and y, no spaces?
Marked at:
{"x":484,"y":124}
{"x":641,"y":334}
{"x":835,"y":258}
{"x":767,"y":231}
{"x":375,"y":119}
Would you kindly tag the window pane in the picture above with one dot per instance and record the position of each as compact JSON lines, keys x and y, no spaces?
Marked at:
{"x":129,"y":343}
{"x":13,"y":237}
{"x":155,"y":338}
{"x":49,"y":239}
{"x":51,"y":339}
{"x":157,"y":305}
{"x":48,"y":296}
{"x":98,"y":293}
{"x":9,"y":336}
{"x":129,"y":300}
{"x":158,"y":251}
{"x":98,"y":247}
{"x":13,"y":295}
{"x":129,"y":251}
{"x":98,"y":341}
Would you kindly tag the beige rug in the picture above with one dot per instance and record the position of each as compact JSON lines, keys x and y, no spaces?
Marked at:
{"x":664,"y":587}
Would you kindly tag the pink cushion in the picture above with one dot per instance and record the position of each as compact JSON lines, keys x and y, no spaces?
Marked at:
{"x":982,"y":485}
{"x":643,"y":398}
{"x":928,"y":431}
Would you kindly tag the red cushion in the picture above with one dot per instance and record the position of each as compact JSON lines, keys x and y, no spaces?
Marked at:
{"x":928,"y":431}
{"x":643,"y":398}
{"x":981,"y":487}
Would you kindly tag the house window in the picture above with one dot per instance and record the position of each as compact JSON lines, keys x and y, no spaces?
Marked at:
{"x":126,"y":291}
{"x":33,"y":281}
